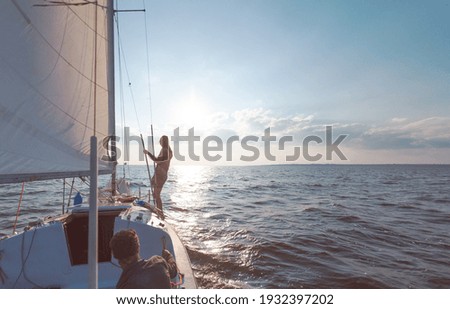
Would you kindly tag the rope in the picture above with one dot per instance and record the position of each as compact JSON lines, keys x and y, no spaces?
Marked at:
{"x":24,"y":261}
{"x":18,"y":208}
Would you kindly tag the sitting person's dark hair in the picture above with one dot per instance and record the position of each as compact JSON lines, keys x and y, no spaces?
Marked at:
{"x":153,"y":273}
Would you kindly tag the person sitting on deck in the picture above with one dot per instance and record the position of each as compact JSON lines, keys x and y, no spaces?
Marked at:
{"x":153,"y":273}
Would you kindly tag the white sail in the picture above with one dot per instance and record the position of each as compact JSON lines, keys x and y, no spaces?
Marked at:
{"x":47,"y":86}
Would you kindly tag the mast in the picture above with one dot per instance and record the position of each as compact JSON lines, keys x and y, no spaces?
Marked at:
{"x":93,"y":218}
{"x":111,"y":89}
{"x":93,"y":196}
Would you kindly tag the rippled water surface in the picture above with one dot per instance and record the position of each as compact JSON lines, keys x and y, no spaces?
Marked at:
{"x":295,"y":226}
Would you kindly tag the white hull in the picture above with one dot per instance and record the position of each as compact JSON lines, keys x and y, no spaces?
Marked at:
{"x":54,"y":254}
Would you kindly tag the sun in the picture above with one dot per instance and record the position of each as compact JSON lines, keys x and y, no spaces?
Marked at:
{"x":192,"y":111}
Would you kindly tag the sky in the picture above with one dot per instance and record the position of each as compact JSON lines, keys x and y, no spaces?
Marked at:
{"x":375,"y":72}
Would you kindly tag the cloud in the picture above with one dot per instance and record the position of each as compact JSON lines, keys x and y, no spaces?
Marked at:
{"x":392,"y":134}
{"x":396,"y":133}
{"x":397,"y":140}
{"x":431,"y":132}
{"x":253,"y":121}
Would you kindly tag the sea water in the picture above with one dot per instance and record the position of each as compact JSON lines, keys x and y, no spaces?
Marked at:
{"x":292,"y":226}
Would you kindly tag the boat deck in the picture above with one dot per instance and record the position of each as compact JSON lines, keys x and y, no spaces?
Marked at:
{"x":54,"y":254}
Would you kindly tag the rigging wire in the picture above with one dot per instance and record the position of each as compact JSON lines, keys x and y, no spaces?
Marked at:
{"x":147,"y":49}
{"x":147,"y":58}
{"x":122,"y":58}
{"x":121,"y":55}
{"x":121,"y":92}
{"x":18,"y":208}
{"x":95,"y":70}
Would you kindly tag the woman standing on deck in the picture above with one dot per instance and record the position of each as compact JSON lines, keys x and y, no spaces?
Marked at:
{"x":161,"y":170}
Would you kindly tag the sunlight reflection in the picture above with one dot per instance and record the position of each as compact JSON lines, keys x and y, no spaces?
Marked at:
{"x":189,"y":184}
{"x":190,"y":174}
{"x":189,"y":194}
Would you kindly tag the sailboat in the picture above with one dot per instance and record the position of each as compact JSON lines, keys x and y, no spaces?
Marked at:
{"x":56,"y":116}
